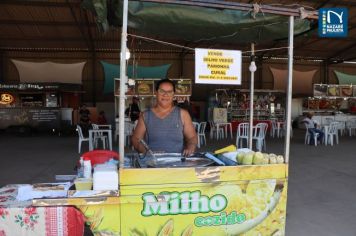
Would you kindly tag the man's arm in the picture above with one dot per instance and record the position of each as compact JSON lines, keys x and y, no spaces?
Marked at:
{"x":190,"y":136}
{"x":138,"y":134}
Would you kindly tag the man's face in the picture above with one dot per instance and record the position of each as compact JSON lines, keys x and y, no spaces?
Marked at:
{"x":165,"y":94}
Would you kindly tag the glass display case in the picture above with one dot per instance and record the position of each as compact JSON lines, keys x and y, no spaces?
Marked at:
{"x":267,"y":104}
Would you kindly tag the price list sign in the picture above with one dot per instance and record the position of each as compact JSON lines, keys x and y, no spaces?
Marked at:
{"x":214,"y":66}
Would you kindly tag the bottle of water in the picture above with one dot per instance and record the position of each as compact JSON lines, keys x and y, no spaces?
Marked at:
{"x":80,"y":170}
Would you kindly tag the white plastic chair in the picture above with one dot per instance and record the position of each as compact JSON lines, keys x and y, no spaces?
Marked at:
{"x":99,"y":136}
{"x":81,"y":138}
{"x":274,"y":129}
{"x":259,"y":134}
{"x":284,"y":128}
{"x":196,"y":126}
{"x":341,"y":127}
{"x":242,"y":133}
{"x":201,"y":134}
{"x":128,"y":130}
{"x":328,"y":120}
{"x":214,"y":130}
{"x":351,"y":126}
{"x":333,"y":131}
{"x":309,"y":134}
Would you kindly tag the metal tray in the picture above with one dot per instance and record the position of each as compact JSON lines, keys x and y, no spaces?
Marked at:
{"x":173,"y":160}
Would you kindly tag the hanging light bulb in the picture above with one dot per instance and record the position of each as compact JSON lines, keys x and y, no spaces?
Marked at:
{"x":127,"y":55}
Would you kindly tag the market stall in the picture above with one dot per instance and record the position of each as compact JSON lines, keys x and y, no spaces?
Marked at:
{"x":332,"y":102}
{"x":41,"y":106}
{"x":267,"y":105}
{"x":144,"y":89}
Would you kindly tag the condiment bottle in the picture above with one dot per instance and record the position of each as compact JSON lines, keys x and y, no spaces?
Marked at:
{"x":87,"y":169}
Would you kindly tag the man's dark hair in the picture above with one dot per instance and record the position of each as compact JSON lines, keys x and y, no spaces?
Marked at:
{"x":166,"y":81}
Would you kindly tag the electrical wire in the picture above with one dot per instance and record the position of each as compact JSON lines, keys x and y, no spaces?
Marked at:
{"x":159,"y":41}
{"x":193,"y":49}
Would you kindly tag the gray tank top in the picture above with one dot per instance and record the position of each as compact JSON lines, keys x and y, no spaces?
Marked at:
{"x":164,"y":134}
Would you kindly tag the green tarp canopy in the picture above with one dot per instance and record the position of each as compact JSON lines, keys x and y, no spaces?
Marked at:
{"x":194,"y":23}
{"x":345,"y":78}
{"x":112,"y":71}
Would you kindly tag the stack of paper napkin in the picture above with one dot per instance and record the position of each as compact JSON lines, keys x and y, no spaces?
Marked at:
{"x":105,"y":177}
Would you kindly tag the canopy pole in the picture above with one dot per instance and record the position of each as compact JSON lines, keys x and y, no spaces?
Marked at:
{"x":252,"y":69}
{"x":123,"y":79}
{"x":289,"y":88}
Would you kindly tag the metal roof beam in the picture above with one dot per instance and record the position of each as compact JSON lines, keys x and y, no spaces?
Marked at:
{"x":44,"y":23}
{"x":350,"y":58}
{"x":37,"y":3}
{"x":236,"y":6}
{"x":336,"y":2}
{"x":55,"y":39}
{"x":322,"y":4}
{"x":341,"y":52}
{"x":80,"y":27}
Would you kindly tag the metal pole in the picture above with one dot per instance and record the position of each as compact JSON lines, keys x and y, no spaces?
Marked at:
{"x":289,"y":87}
{"x":252,"y":69}
{"x":123,"y":79}
{"x":94,"y":77}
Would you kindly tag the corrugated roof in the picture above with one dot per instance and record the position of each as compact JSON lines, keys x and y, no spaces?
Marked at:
{"x":64,"y":25}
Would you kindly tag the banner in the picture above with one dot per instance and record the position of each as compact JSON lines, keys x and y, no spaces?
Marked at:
{"x":214,"y":66}
{"x":49,"y":72}
{"x":302,"y":81}
{"x":345,"y":78}
{"x":41,"y":118}
{"x":112,"y":71}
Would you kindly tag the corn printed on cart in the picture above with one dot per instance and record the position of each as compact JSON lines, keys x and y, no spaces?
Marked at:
{"x":215,"y":200}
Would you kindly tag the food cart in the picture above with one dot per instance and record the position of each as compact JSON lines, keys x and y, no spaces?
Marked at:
{"x":199,"y":200}
{"x":213,"y":200}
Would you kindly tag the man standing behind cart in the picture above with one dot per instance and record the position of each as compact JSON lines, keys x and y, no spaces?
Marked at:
{"x":165,"y":127}
{"x":84,"y":119}
{"x":133,"y":111}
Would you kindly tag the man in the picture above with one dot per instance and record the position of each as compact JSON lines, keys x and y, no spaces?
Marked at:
{"x":311,"y":125}
{"x":133,"y":111}
{"x":84,"y":119}
{"x":165,"y":127}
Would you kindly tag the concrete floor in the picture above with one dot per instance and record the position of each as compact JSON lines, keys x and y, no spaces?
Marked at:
{"x":322,"y":181}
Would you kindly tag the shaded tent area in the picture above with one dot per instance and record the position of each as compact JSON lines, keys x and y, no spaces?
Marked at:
{"x":166,"y":32}
{"x":194,"y":23}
